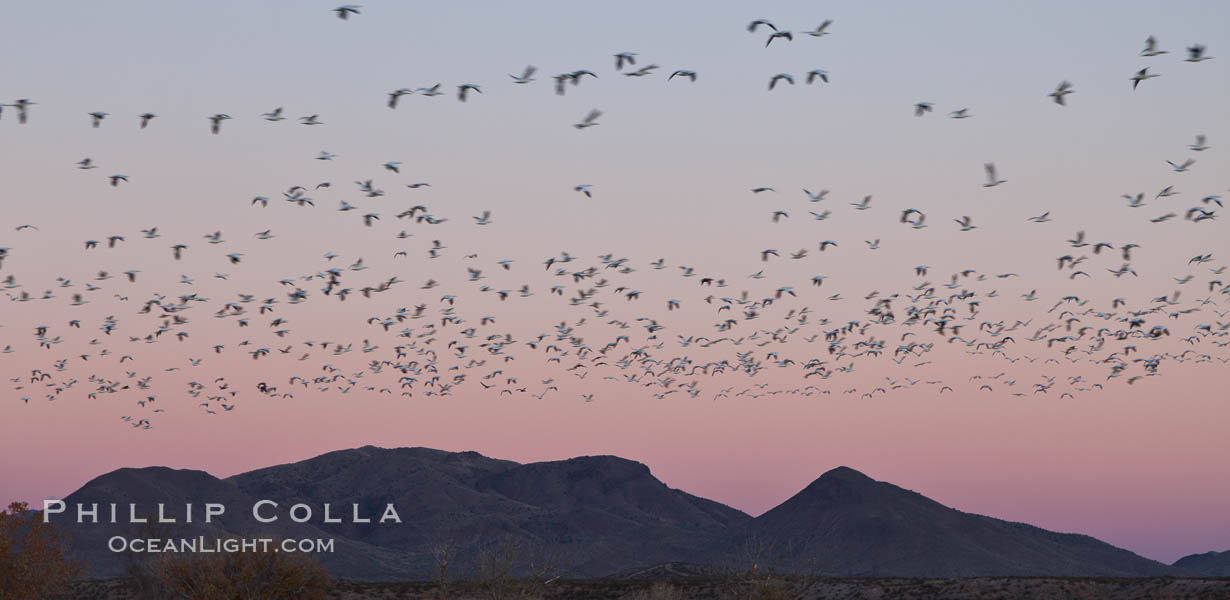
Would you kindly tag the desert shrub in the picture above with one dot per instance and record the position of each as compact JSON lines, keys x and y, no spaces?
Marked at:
{"x":660,"y":590}
{"x":444,"y":553}
{"x":544,"y":565}
{"x":771,"y":589}
{"x":33,"y":556}
{"x":231,"y":576}
{"x":495,"y":564}
{"x":755,"y":572}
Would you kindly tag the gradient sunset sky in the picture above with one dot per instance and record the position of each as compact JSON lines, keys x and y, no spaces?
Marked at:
{"x":672,"y":164}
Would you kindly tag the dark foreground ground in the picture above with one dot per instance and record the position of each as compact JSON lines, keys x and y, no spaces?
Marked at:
{"x":1041,"y":588}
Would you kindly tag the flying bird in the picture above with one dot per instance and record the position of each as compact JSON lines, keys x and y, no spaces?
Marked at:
{"x":344,"y":11}
{"x":1142,"y":75}
{"x":396,"y":95}
{"x":1196,"y":54}
{"x":821,"y":30}
{"x":526,"y":76}
{"x":464,"y":88}
{"x":1151,"y":47}
{"x":786,"y":35}
{"x":1063,"y":89}
{"x":780,"y":77}
{"x":992,"y":179}
{"x":914,"y":217}
{"x":590,"y":120}
{"x":23,"y":105}
{"x":1182,"y":168}
{"x":751,"y":27}
{"x":215,"y":122}
{"x":624,"y":58}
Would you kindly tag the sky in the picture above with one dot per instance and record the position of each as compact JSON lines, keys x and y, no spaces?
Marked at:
{"x":672,"y":165}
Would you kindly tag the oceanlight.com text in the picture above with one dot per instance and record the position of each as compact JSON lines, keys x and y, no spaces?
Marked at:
{"x":205,"y":545}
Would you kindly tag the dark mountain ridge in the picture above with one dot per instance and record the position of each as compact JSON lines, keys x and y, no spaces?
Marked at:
{"x":593,"y":515}
{"x":851,"y":524}
{"x":1215,"y":564}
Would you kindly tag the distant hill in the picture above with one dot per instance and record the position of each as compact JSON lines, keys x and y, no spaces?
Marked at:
{"x":595,"y":515}
{"x":850,"y":524}
{"x":1216,"y":564}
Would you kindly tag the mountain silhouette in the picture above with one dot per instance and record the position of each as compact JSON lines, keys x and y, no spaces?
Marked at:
{"x":845,"y":522}
{"x":1216,"y":564}
{"x":594,"y":515}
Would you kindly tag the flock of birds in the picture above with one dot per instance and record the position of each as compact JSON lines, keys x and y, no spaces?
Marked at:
{"x":763,"y":339}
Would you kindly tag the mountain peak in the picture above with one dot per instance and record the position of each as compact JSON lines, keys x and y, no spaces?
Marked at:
{"x":130,"y":478}
{"x":841,"y":481}
{"x":864,"y":527}
{"x":609,"y":462}
{"x":844,"y":473}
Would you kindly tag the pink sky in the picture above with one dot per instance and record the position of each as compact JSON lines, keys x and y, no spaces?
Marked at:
{"x":672,"y":165}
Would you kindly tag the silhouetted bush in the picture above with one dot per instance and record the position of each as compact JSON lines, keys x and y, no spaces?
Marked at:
{"x":33,"y":560}
{"x":231,"y":576}
{"x":660,"y":590}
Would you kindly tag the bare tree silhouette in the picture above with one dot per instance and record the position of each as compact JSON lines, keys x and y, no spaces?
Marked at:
{"x":34,"y":563}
